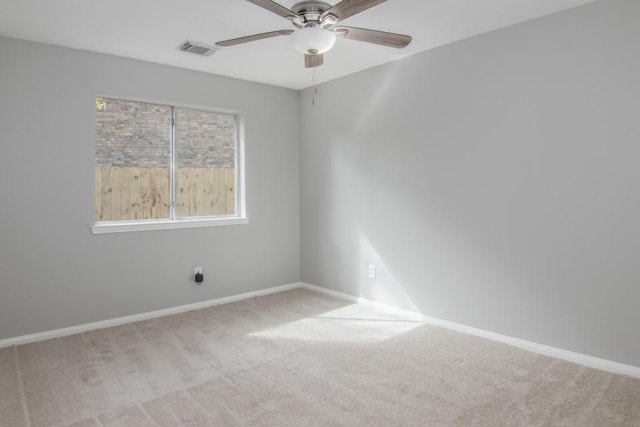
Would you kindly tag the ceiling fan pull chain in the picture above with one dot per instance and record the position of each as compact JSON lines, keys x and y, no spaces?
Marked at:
{"x":314,"y":83}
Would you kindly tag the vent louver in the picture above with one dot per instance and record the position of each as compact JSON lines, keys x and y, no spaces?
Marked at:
{"x":196,"y":48}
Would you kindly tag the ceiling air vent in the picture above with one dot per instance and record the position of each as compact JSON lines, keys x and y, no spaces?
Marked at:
{"x":197,"y":48}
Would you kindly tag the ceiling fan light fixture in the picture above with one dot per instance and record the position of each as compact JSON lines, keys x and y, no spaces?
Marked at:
{"x":313,"y":40}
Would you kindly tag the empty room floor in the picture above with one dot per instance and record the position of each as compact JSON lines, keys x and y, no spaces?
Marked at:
{"x":300,"y":358}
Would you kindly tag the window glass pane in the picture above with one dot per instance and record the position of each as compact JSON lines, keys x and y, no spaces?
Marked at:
{"x":205,"y":162}
{"x":132,"y":160}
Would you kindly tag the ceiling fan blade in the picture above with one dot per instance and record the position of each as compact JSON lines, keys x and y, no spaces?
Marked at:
{"x":373,"y":36}
{"x":311,"y":61}
{"x":274,"y":7}
{"x":347,"y":8}
{"x":254,"y":37}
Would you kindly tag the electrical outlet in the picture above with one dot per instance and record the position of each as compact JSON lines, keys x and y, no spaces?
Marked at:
{"x":198,"y":276}
{"x":372,"y":271}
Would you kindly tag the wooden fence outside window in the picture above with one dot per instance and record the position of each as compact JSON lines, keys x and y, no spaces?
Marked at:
{"x":130,"y":193}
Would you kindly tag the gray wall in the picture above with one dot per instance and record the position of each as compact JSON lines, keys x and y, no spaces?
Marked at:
{"x":494,"y":182}
{"x":53,"y":272}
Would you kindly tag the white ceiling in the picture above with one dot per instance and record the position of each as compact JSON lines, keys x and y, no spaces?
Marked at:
{"x":151,"y":30}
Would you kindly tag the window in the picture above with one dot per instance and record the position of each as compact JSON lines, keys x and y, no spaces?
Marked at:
{"x":160,"y":166}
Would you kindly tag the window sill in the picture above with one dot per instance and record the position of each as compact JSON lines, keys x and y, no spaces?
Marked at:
{"x":129,"y":226}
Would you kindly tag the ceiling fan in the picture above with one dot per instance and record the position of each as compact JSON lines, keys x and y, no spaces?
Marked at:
{"x":317,"y":27}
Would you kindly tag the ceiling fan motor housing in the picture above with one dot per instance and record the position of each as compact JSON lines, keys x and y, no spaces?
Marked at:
{"x":312,"y":38}
{"x":310,"y":6}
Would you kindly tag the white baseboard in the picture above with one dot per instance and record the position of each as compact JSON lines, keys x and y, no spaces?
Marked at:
{"x":581,"y":359}
{"x":57,"y":333}
{"x":558,"y":353}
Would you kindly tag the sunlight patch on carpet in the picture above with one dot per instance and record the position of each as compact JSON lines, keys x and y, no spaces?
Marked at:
{"x":343,"y":325}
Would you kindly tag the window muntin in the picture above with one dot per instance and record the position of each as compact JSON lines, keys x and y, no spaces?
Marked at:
{"x":158,"y":163}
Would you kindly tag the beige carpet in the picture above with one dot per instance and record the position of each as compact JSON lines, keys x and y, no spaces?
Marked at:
{"x":298,"y":359}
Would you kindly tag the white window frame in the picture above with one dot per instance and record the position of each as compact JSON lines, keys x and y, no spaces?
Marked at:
{"x":174,"y":221}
